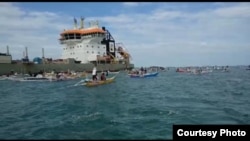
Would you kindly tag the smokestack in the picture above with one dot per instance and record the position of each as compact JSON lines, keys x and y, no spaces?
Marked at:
{"x":26,"y":51}
{"x":8,"y":53}
{"x":42,"y":52}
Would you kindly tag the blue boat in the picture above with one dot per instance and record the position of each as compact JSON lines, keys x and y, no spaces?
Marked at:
{"x":248,"y":68}
{"x":144,"y":75}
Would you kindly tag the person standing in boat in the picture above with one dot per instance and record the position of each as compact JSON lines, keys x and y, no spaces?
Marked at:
{"x":94,"y":74}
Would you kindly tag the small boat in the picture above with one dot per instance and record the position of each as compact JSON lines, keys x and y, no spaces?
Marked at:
{"x":153,"y":74}
{"x":201,"y":72}
{"x":248,"y":68}
{"x":158,"y":68}
{"x":113,"y":72}
{"x":99,"y":82}
{"x":181,"y":70}
{"x":4,"y":78}
{"x":225,"y":70}
{"x":38,"y":78}
{"x":31,"y":79}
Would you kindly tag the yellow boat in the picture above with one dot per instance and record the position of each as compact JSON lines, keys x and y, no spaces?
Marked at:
{"x":97,"y":83}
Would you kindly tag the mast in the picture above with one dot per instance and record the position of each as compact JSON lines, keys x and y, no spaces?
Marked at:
{"x":8,"y":53}
{"x":75,"y":23}
{"x":82,"y":23}
{"x":26,"y":52}
{"x":42,"y":52}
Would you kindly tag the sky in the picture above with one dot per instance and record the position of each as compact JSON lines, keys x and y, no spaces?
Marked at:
{"x":160,"y":33}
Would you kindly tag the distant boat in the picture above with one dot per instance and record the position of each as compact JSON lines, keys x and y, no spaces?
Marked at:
{"x":201,"y":72}
{"x":32,"y":79}
{"x":248,"y":68}
{"x":153,"y":74}
{"x":158,"y":68}
{"x":225,"y":70}
{"x":181,"y":70}
{"x":38,"y":78}
{"x":113,"y":72}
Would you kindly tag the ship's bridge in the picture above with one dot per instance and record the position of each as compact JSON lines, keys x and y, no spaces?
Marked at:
{"x":77,"y":34}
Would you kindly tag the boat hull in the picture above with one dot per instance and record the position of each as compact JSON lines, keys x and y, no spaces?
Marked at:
{"x":97,"y":83}
{"x":144,"y":75}
{"x":113,"y":72}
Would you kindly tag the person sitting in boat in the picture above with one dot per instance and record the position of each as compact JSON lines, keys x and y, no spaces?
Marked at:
{"x":94,"y":75}
{"x":142,"y":70}
{"x":103,"y":77}
{"x":137,"y":72}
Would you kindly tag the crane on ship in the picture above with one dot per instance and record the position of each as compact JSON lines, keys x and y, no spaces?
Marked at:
{"x":124,"y":53}
{"x":114,"y":59}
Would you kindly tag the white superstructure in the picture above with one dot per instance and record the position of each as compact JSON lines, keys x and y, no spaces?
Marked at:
{"x":84,"y":44}
{"x":91,"y":44}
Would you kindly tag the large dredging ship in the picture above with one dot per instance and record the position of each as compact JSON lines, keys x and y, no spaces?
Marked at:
{"x":82,"y":49}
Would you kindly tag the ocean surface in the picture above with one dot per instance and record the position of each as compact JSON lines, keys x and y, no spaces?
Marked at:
{"x":129,"y":108}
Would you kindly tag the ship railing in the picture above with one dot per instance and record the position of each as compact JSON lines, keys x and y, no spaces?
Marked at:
{"x":71,"y":41}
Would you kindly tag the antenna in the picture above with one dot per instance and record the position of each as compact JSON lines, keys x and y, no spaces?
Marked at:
{"x":8,"y":53}
{"x":82,"y":22}
{"x":97,"y":23}
{"x":75,"y":22}
{"x":26,"y":51}
{"x":42,"y":52}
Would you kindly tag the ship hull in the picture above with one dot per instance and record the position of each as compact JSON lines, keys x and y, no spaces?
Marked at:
{"x":33,"y":68}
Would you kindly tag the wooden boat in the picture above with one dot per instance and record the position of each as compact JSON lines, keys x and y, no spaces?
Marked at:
{"x":100,"y":82}
{"x":153,"y":74}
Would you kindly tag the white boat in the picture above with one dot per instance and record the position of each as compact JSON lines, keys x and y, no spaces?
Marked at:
{"x":13,"y":77}
{"x":3,"y":78}
{"x":113,"y":72}
{"x":35,"y":79}
{"x":201,"y":71}
{"x":38,"y":78}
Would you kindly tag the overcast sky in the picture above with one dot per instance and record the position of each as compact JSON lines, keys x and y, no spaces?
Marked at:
{"x":165,"y":34}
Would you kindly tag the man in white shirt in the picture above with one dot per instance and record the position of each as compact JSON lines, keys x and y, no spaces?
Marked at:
{"x":94,"y":73}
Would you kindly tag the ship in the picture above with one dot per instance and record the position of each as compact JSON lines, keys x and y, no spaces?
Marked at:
{"x":82,"y":49}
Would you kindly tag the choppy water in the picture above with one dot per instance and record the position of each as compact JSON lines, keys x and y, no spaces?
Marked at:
{"x":126,"y":109}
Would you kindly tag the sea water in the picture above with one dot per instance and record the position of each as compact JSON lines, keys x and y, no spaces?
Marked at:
{"x":129,"y":108}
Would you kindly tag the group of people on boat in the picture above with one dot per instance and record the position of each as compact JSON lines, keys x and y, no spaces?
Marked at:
{"x":141,"y":71}
{"x":94,"y":75}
